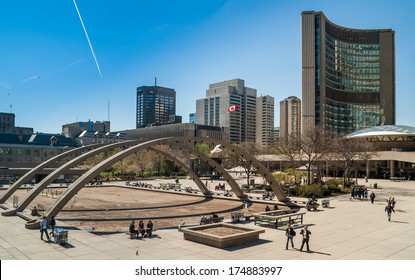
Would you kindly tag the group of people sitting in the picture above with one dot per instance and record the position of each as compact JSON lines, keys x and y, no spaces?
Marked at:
{"x":267,"y":208}
{"x":220,"y":187}
{"x":145,"y":232}
{"x":208,"y":220}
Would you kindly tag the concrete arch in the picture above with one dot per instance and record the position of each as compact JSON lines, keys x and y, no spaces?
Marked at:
{"x":93,"y":172}
{"x":45,"y":182}
{"x":89,"y":175}
{"x":261,"y":169}
{"x":42,"y":185}
{"x":37,"y":189}
{"x":185,"y":168}
{"x":40,"y":167}
{"x":217,"y":167}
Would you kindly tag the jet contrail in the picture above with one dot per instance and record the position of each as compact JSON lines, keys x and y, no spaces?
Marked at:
{"x":7,"y":86}
{"x":28,"y":79}
{"x":87,"y":37}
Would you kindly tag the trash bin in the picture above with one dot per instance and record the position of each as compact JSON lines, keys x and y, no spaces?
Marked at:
{"x":60,"y":236}
{"x":375,"y":185}
{"x":325,"y":203}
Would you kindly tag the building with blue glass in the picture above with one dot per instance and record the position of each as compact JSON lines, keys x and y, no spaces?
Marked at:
{"x":348,"y":76}
{"x":155,"y":105}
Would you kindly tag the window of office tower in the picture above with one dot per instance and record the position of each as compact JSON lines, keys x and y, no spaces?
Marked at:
{"x":352,"y":66}
{"x":346,"y":118}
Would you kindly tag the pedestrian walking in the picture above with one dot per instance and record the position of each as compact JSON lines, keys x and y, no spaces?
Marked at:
{"x":306,"y":237}
{"x":393,"y":202}
{"x":44,"y":228}
{"x":372,"y":197}
{"x":290,"y":233}
{"x":52,"y":226}
{"x":389,"y":209}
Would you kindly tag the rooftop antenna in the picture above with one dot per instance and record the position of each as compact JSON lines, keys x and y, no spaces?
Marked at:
{"x":155,"y":81}
{"x":108,"y":110}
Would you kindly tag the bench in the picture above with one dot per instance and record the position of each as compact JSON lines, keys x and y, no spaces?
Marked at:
{"x":298,"y":201}
{"x":397,"y":179}
{"x":211,"y":220}
{"x":280,"y":220}
{"x":238,"y":216}
{"x":131,"y":234}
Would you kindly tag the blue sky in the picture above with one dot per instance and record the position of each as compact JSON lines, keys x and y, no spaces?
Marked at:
{"x":49,"y":75}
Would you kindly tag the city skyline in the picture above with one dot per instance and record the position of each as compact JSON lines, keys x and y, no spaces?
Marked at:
{"x":49,"y":77}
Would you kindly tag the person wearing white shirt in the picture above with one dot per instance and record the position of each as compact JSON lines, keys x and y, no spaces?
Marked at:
{"x":44,"y":228}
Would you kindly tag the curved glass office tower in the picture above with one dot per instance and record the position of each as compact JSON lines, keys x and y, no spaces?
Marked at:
{"x":348,"y":76}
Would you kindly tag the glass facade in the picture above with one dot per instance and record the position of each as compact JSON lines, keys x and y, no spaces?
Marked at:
{"x":352,"y":70}
{"x":154,"y":105}
{"x":348,"y":76}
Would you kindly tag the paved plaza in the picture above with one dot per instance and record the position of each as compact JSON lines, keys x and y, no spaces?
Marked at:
{"x":349,"y":229}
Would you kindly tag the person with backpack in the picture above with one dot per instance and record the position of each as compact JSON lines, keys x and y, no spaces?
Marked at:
{"x":290,"y":233}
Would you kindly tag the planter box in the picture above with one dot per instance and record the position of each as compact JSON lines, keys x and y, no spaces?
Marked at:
{"x":221,"y":235}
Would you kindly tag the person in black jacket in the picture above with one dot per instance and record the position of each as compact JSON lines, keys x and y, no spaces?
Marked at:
{"x":141,"y":229}
{"x":149,"y":229}
{"x":290,"y":233}
{"x":132,"y":228}
{"x":306,"y":237}
{"x":52,"y":224}
{"x":372,"y":197}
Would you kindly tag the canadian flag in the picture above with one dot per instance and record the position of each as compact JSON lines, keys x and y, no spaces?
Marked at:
{"x":233,"y":108}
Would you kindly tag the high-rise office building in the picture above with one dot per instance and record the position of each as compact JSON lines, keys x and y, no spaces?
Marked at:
{"x":348,"y":76}
{"x":290,"y":118}
{"x":277,"y":135}
{"x":265,"y":121}
{"x":229,"y":104}
{"x":192,"y":118}
{"x":155,"y":105}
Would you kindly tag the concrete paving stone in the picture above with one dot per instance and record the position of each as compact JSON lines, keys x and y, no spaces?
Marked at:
{"x":168,"y":253}
{"x":19,"y":255}
{"x":51,"y":255}
{"x":198,"y":257}
{"x":361,"y":255}
{"x":7,"y":257}
{"x":94,"y":256}
{"x":406,"y":253}
{"x":79,"y":251}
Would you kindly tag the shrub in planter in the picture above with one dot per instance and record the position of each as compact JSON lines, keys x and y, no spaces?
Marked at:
{"x":325,"y":191}
{"x":310,"y":191}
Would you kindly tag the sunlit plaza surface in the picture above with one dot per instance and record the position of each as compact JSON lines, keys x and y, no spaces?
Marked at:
{"x":350,"y":229}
